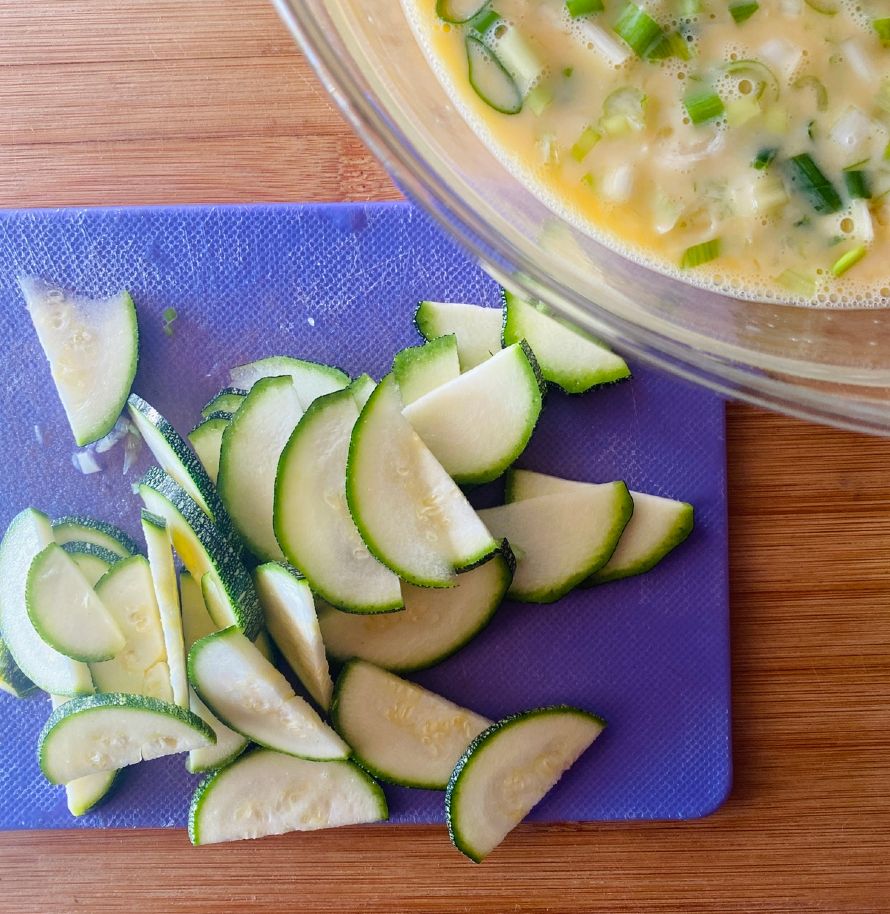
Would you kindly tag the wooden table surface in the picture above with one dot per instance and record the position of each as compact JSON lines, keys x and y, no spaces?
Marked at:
{"x":138,"y":102}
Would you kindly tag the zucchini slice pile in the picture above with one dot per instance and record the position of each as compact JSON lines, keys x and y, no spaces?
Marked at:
{"x":312,"y":518}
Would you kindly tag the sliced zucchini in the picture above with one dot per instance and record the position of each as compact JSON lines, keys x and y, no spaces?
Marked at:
{"x":110,"y":730}
{"x":92,"y":348}
{"x":561,"y":539}
{"x":263,"y":643}
{"x":291,"y":620}
{"x":657,"y":525}
{"x":420,"y":369}
{"x":399,"y":731}
{"x":249,"y":695}
{"x":141,"y":668}
{"x":163,"y":575}
{"x":229,"y":744}
{"x":204,"y":549}
{"x":362,"y":388}
{"x":196,"y":620}
{"x":87,"y":792}
{"x":93,"y":561}
{"x":177,"y":459}
{"x":267,"y":793}
{"x":479,"y":423}
{"x":12,"y":680}
{"x":206,"y":439}
{"x":248,"y":460}
{"x":310,"y":379}
{"x":476,"y":329}
{"x":226,"y":401}
{"x":508,"y":769}
{"x":77,"y":528}
{"x":490,"y":79}
{"x":65,"y":610}
{"x":567,"y":356}
{"x":409,"y":512}
{"x":433,"y":625}
{"x":29,"y":533}
{"x":311,"y":517}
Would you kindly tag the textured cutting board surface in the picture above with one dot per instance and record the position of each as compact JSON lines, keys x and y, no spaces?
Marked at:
{"x":339,"y":284}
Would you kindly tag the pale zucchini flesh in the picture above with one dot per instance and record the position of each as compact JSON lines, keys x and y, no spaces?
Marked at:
{"x":267,"y":793}
{"x":478,"y":424}
{"x":86,"y":793}
{"x":248,"y":694}
{"x":65,"y":610}
{"x":93,"y":561}
{"x":508,"y":769}
{"x":399,"y":731}
{"x":92,"y":348}
{"x":310,"y":379}
{"x":128,"y":591}
{"x":177,"y":459}
{"x":228,"y":746}
{"x":81,"y":529}
{"x":111,"y":730}
{"x":658,"y":525}
{"x":434,"y":624}
{"x":311,"y":515}
{"x":476,"y":329}
{"x":289,"y":609}
{"x":420,"y":369}
{"x":203,"y":549}
{"x":206,"y":440}
{"x":567,"y":356}
{"x":408,"y":510}
{"x":196,"y":620}
{"x":29,"y":533}
{"x":163,"y":575}
{"x":248,"y":461}
{"x":561,"y":539}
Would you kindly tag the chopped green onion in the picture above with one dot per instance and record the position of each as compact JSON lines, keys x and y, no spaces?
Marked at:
{"x":589,"y":180}
{"x":578,"y":8}
{"x":825,"y":7}
{"x":688,"y":9}
{"x":700,"y":253}
{"x":799,"y":283}
{"x":882,"y":27}
{"x":484,"y":20}
{"x":567,"y":72}
{"x":805,"y":175}
{"x":776,"y":120}
{"x":886,"y":156}
{"x":703,"y":105}
{"x":539,"y":99}
{"x":548,"y":149}
{"x":810,"y":82}
{"x":169,"y":315}
{"x":742,"y":11}
{"x":623,"y":111}
{"x":764,"y":158}
{"x":588,"y":139}
{"x":759,"y":73}
{"x":811,"y":130}
{"x":638,"y":29}
{"x":848,"y":260}
{"x":857,"y":185}
{"x":741,"y":110}
{"x":679,"y":46}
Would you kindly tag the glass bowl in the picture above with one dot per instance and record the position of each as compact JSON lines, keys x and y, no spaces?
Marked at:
{"x":830,"y":365}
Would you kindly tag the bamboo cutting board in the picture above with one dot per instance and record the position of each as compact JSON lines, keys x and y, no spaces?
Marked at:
{"x":160,"y":103}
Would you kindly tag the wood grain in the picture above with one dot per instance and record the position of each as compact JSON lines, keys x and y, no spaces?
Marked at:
{"x":132,"y":102}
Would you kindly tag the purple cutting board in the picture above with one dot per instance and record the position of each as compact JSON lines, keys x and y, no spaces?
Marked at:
{"x":338,"y":283}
